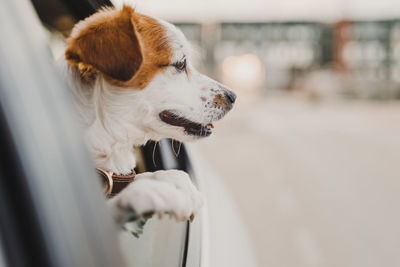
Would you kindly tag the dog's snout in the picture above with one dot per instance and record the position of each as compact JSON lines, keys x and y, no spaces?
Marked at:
{"x":230,"y":96}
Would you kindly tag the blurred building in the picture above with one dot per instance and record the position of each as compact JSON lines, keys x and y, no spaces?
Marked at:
{"x":359,"y":58}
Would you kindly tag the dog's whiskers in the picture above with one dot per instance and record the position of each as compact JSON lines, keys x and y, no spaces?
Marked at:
{"x":154,"y":151}
{"x":179,"y":149}
{"x":173,"y":147}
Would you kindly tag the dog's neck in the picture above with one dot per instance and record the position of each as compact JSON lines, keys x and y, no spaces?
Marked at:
{"x":109,"y":116}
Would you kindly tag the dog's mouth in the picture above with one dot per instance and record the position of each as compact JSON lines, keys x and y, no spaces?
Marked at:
{"x":191,"y":128}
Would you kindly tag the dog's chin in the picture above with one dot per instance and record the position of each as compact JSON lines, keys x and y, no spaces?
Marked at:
{"x":191,"y":130}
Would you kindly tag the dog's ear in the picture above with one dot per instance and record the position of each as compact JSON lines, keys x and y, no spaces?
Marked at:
{"x":107,"y":44}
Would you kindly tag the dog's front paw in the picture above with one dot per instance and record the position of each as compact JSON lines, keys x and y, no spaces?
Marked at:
{"x":162,"y":192}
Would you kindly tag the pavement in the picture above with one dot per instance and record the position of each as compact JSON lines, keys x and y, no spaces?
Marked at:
{"x":317,"y":183}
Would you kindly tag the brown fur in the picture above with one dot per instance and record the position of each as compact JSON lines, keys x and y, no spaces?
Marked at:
{"x":128,"y":48}
{"x":219,"y":100}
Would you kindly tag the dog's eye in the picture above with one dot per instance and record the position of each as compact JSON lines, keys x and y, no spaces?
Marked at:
{"x":180,"y":66}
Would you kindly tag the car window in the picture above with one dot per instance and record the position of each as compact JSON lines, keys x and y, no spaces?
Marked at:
{"x":163,"y":240}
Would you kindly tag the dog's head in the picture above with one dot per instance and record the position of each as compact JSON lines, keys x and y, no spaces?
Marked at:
{"x":149,"y":62}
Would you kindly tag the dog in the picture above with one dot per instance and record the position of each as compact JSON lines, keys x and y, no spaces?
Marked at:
{"x":132,"y":81}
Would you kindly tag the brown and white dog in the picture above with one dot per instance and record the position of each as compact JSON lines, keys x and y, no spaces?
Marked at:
{"x":132,"y":81}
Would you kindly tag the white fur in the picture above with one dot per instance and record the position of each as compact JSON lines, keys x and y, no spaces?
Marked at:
{"x":116,"y":119}
{"x":169,"y":192}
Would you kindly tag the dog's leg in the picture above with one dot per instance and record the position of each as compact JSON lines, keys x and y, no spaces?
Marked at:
{"x":162,"y":192}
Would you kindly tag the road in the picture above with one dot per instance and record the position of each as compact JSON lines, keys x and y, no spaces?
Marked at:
{"x":317,"y":183}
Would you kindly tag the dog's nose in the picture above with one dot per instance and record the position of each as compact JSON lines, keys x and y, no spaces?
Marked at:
{"x":231,"y":96}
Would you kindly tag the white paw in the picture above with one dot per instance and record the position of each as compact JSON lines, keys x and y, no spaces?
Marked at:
{"x":162,"y":192}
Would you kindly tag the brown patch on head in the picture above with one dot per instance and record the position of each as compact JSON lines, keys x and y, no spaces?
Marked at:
{"x":108,"y":43}
{"x":156,"y":50}
{"x":124,"y":46}
{"x":219,"y":100}
{"x":203,"y":99}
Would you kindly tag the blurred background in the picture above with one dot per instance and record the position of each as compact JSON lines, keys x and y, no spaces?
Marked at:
{"x":311,"y":150}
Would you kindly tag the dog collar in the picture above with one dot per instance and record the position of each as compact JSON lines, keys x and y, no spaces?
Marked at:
{"x":114,"y":183}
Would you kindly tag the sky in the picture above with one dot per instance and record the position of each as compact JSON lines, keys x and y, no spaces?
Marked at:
{"x":267,"y":10}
